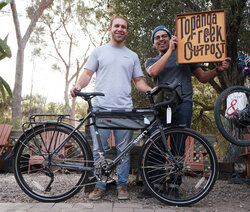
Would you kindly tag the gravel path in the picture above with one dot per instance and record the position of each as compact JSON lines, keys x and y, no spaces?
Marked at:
{"x":223,"y":197}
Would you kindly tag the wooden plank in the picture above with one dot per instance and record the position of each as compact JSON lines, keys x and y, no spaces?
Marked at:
{"x":246,"y":158}
{"x":5,"y":131}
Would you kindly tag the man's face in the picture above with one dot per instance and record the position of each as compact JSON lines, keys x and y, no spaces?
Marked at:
{"x":118,"y":30}
{"x":161,"y":41}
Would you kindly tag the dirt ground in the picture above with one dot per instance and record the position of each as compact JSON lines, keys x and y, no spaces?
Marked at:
{"x":223,"y":197}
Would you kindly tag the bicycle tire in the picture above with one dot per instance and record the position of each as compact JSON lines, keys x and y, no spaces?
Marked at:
{"x":32,"y":168}
{"x":230,"y":128}
{"x":193,"y":182}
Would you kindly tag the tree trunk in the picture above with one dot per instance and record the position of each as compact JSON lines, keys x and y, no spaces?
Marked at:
{"x":16,"y":104}
{"x":21,"y":42}
{"x":233,"y":154}
{"x":66,"y":96}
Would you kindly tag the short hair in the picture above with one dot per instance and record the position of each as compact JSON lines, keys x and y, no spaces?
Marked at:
{"x":118,"y":16}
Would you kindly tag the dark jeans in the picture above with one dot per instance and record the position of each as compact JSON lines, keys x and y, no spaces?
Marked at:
{"x":182,"y":116}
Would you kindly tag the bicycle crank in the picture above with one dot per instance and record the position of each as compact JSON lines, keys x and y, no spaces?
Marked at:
{"x":101,"y":172}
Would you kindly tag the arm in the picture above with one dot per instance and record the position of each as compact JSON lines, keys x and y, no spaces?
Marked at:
{"x":82,"y":82}
{"x":206,"y":76}
{"x":158,"y":67}
{"x":141,"y":85}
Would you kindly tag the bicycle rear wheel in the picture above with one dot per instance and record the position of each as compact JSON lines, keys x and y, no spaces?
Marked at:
{"x":232,"y":122}
{"x":179,"y":186}
{"x":34,"y":166}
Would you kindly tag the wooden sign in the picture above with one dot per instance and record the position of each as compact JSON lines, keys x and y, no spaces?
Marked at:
{"x":201,"y":37}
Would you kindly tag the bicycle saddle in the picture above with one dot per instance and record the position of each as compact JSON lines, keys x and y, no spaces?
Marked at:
{"x":88,"y":94}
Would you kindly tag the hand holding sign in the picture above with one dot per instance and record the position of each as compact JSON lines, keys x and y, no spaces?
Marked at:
{"x":224,"y":65}
{"x":173,"y":42}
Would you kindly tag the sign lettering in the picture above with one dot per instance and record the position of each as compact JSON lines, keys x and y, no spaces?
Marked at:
{"x":201,"y":37}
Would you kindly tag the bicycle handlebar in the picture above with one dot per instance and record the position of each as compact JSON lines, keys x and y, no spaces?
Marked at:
{"x":171,"y":87}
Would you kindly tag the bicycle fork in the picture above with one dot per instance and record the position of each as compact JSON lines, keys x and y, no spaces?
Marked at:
{"x":164,"y":140}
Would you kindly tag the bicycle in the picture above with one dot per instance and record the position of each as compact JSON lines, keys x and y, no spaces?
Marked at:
{"x":68,"y":166}
{"x":232,"y":109}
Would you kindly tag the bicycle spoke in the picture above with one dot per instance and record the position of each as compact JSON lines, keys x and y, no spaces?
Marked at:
{"x":47,"y":177}
{"x":162,"y":176}
{"x":233,"y":120}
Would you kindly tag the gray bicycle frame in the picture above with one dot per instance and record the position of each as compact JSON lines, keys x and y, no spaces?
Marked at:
{"x":126,"y":149}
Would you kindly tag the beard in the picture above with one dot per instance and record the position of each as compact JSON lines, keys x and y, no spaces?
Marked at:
{"x":162,"y":49}
{"x":118,"y":40}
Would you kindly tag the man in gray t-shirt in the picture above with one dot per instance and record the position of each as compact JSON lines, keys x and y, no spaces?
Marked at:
{"x":115,"y":66}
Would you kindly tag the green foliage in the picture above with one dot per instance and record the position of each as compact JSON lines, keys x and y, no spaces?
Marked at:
{"x":32,"y":105}
{"x":38,"y":104}
{"x":4,"y":88}
{"x":81,"y":109}
{"x":3,"y":3}
{"x":93,"y":20}
{"x":5,"y":110}
{"x":4,"y":48}
{"x":203,"y":110}
{"x":145,"y":15}
{"x":4,"y":52}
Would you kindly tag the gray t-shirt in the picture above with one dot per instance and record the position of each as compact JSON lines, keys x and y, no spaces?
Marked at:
{"x":172,"y":71}
{"x":114,"y":67}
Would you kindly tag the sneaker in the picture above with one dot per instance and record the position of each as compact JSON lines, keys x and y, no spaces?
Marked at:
{"x":144,"y":194}
{"x":122,"y":193}
{"x":173,"y":191}
{"x":96,"y":194}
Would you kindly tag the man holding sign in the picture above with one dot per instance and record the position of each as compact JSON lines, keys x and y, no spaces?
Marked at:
{"x":164,"y":68}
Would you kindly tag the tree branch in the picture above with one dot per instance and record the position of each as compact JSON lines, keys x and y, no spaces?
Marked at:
{"x":55,"y":46}
{"x":204,"y":107}
{"x":16,"y":23}
{"x":42,"y":6}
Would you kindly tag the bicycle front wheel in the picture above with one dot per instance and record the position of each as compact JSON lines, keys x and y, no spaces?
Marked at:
{"x":232,"y":115}
{"x":50,"y":177}
{"x":182,"y":185}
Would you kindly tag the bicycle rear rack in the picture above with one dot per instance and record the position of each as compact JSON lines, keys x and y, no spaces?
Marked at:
{"x":42,"y":118}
